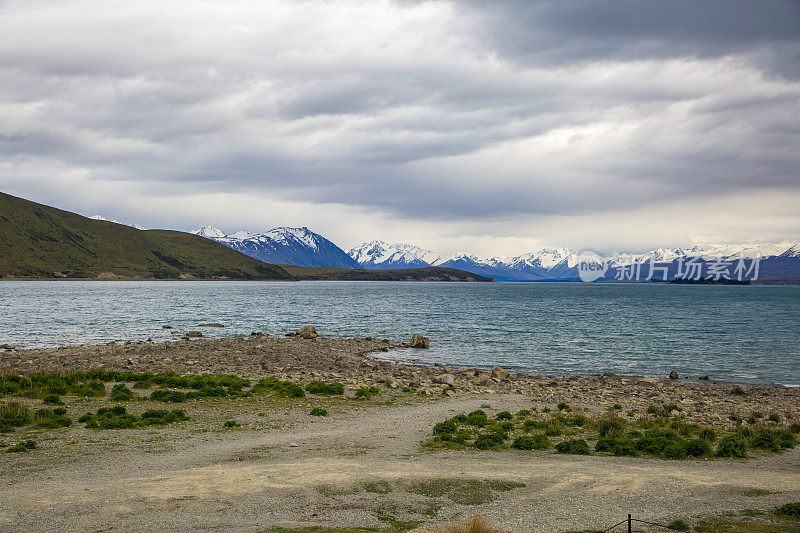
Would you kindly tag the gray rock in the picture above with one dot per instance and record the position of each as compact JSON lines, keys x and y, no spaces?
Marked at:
{"x":418,"y":341}
{"x":444,"y":379}
{"x":307,"y":332}
{"x":703,"y":378}
{"x":193,"y":334}
{"x":211,"y":325}
{"x":673,"y":375}
{"x":500,"y":373}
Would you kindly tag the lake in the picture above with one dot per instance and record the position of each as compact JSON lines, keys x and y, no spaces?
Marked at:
{"x":747,"y":334}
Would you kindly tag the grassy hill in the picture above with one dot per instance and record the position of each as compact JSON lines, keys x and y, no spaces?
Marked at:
{"x":403,"y":274}
{"x":37,"y":241}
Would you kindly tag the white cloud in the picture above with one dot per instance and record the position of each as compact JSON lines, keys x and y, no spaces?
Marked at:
{"x":416,"y":121}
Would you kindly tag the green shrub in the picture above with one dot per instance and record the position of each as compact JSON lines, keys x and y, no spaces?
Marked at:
{"x":488,"y":441}
{"x":50,"y":419}
{"x":616,"y":407}
{"x":610,"y":427}
{"x":319,"y":411}
{"x":573,"y":447}
{"x":707,"y":434}
{"x":230,"y":424}
{"x":675,"y":450}
{"x":732,"y":446}
{"x":678,"y":525}
{"x":279,"y":388}
{"x":109,"y":418}
{"x":574,"y":420}
{"x":504,"y":415}
{"x":765,"y":440}
{"x":161,"y":417}
{"x":775,"y":417}
{"x":318,"y":387}
{"x":789,"y":509}
{"x":523,"y":413}
{"x":758,"y":414}
{"x":531,"y":442}
{"x":52,"y":399}
{"x":617,"y":446}
{"x":14,"y":415}
{"x":367,"y":393}
{"x":168,"y":396}
{"x":563,"y":406}
{"x":546,"y":410}
{"x":477,"y":418}
{"x":653,"y":410}
{"x":698,"y":448}
{"x":19,"y":448}
{"x":446,"y":427}
{"x":121,"y":393}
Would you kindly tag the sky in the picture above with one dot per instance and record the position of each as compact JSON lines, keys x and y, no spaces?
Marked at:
{"x":489,"y":127}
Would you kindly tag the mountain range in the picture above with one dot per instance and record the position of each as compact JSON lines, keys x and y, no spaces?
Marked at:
{"x":39,"y":241}
{"x":303,"y":247}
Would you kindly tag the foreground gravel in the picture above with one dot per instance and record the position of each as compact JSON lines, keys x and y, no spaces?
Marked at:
{"x":364,"y":462}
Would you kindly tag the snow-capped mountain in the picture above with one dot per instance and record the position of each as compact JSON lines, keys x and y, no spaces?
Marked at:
{"x":104,"y":219}
{"x":289,"y":246}
{"x":302,"y":247}
{"x":380,"y":255}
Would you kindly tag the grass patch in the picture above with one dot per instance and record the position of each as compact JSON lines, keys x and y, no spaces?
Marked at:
{"x":319,"y":387}
{"x":121,"y":393}
{"x":461,"y":491}
{"x":14,"y":415}
{"x":52,"y":418}
{"x":22,"y":447}
{"x":278,"y":388}
{"x":319,"y":411}
{"x":367,"y":392}
{"x":117,"y":417}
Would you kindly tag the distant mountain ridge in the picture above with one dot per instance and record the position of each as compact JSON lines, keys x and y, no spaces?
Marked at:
{"x":284,"y":245}
{"x":40,"y":241}
{"x":302,"y":247}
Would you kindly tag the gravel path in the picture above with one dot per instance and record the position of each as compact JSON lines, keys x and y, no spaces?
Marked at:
{"x":325,"y":472}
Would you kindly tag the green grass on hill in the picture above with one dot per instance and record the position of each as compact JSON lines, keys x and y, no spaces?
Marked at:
{"x":38,"y":241}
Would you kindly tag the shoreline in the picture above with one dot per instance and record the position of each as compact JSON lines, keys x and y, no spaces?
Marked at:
{"x":358,"y":361}
{"x":38,"y":352}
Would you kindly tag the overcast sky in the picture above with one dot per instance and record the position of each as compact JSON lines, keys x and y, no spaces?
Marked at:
{"x":493,"y":127}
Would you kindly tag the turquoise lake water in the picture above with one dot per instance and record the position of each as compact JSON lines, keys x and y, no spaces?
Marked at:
{"x":747,"y":334}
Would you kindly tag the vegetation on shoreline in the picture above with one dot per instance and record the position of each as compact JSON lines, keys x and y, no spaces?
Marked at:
{"x":663,"y":432}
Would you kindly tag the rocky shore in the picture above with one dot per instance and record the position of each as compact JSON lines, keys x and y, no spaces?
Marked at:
{"x":307,"y":356}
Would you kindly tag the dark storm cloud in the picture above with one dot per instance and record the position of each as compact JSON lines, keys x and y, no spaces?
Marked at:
{"x":446,"y":111}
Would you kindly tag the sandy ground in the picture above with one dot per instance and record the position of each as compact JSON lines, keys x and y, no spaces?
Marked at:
{"x":323,"y":471}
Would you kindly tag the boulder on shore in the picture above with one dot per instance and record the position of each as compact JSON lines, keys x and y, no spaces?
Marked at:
{"x":307,"y":332}
{"x":418,"y":341}
{"x":500,"y":373}
{"x":673,"y":375}
{"x":194,"y":334}
{"x":6,"y":347}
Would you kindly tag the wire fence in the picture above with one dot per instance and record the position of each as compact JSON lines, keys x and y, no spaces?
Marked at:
{"x":630,"y":521}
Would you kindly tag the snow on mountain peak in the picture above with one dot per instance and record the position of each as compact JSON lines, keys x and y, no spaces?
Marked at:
{"x":104,"y":219}
{"x":397,"y":254}
{"x":287,"y":234}
{"x":209,"y":232}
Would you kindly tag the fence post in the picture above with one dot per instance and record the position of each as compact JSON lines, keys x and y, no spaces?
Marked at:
{"x":629,"y":523}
